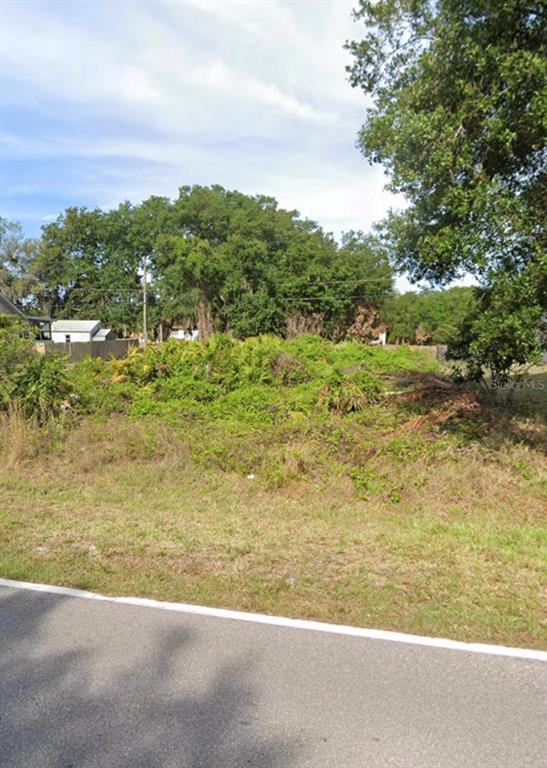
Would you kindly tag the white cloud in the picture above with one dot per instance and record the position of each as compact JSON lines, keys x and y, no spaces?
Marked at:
{"x":252,"y":95}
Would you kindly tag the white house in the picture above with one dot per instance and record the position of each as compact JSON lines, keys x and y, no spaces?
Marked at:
{"x":381,"y":340}
{"x":104,"y":334}
{"x":184,"y":334}
{"x":71,"y":331}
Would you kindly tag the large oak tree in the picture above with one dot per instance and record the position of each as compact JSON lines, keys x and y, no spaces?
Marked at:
{"x":215,"y":257}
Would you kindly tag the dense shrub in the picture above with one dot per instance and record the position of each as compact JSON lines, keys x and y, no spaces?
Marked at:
{"x":16,"y":350}
{"x":260,"y":380}
{"x":35,"y":384}
{"x":42,"y":388}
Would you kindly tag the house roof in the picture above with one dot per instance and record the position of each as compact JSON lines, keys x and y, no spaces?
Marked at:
{"x":75,"y":326}
{"x":102,"y":333}
{"x":7,"y":306}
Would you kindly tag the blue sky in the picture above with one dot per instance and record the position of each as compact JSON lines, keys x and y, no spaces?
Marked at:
{"x":108,"y":101}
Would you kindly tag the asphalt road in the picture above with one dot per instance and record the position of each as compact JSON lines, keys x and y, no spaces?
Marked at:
{"x":86,"y":683}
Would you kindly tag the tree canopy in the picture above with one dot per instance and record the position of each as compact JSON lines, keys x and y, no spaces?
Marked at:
{"x":458,"y":119}
{"x":218,"y":258}
{"x":17,"y":252}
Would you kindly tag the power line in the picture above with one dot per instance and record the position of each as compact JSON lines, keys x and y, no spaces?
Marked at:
{"x":349,"y":280}
{"x":138,"y":291}
{"x":104,"y":290}
{"x":309,"y":284}
{"x":292,"y":297}
{"x":323,"y":297}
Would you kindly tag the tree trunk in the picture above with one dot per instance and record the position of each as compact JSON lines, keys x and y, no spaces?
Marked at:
{"x":204,"y":319}
{"x":300,"y":323}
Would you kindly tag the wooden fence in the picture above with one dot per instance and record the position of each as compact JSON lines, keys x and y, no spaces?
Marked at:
{"x":78,"y":350}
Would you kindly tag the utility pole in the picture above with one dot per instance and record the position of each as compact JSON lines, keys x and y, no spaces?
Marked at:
{"x":144,"y":305}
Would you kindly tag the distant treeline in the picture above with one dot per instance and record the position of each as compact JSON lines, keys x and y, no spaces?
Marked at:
{"x":221,"y":261}
{"x":429,"y":317}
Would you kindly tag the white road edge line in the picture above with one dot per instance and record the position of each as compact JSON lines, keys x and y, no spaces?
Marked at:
{"x":281,"y":621}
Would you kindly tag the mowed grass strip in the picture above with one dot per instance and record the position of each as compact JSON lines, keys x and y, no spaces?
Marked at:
{"x":445,"y":537}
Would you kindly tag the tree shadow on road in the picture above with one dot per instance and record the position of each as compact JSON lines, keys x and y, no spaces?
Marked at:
{"x":142,"y":704}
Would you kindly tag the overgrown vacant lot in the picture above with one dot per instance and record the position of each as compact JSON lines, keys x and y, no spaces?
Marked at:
{"x":303,"y":478}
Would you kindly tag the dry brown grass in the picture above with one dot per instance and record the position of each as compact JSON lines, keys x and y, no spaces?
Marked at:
{"x":118,"y":441}
{"x":444,"y":538}
{"x":18,"y":439}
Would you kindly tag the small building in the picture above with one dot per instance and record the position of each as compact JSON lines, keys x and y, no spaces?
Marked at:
{"x":74,"y":331}
{"x":104,"y":334}
{"x":184,"y":334}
